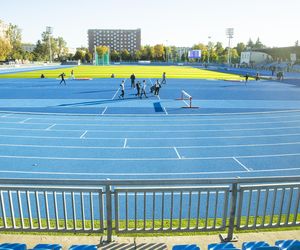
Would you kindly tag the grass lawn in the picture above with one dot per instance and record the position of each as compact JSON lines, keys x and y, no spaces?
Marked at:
{"x":126,"y":71}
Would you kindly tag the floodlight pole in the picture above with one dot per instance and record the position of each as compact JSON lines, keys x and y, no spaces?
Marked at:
{"x":208,"y":48}
{"x":229,"y":33}
{"x":49,"y":31}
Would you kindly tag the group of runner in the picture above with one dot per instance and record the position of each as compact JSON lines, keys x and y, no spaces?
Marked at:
{"x":142,"y":88}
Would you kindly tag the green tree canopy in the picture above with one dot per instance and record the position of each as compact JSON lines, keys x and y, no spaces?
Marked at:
{"x":101,"y":50}
{"x":5,"y":49}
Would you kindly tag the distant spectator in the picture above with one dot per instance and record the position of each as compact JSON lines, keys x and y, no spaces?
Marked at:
{"x":42,"y":76}
{"x":138,"y":89}
{"x":157,"y":87}
{"x":164,"y":81}
{"x":72,"y":74}
{"x":257,"y":77}
{"x":62,"y":75}
{"x":112,"y":75}
{"x":122,"y":85}
{"x":246,"y":77}
{"x":132,"y":78}
{"x":143,"y":92}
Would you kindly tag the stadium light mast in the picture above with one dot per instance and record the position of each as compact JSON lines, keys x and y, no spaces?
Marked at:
{"x":208,"y":49}
{"x":49,"y":31}
{"x":229,"y":34}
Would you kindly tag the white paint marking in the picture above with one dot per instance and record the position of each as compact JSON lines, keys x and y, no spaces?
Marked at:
{"x":241,"y":164}
{"x":147,"y":174}
{"x":104,"y":111}
{"x":82,"y":136}
{"x":27,"y":119}
{"x":178,"y":155}
{"x":125,"y":143}
{"x":7,"y":115}
{"x":115,"y":93}
{"x":166,"y":111}
{"x":50,"y":126}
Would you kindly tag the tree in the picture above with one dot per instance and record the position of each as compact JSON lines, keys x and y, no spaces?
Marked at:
{"x":240,"y":47}
{"x":79,"y":55}
{"x":114,"y":56}
{"x":125,"y":55}
{"x":88,"y":56}
{"x":14,"y":36}
{"x":101,"y":50}
{"x":62,"y":50}
{"x":250,"y":44}
{"x":40,"y":51}
{"x":159,"y":52}
{"x":258,"y":44}
{"x":5,"y":49}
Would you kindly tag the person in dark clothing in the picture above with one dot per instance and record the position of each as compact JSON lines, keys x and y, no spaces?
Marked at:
{"x":257,"y":77}
{"x":122,"y":85}
{"x":62,"y":78}
{"x":132,"y":78}
{"x":42,"y":76}
{"x":157,"y":87}
{"x":138,"y":89}
{"x":246,"y":77}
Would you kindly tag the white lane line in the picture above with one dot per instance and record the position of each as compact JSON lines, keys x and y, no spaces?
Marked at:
{"x":102,"y":112}
{"x":150,"y":81}
{"x":156,"y":115}
{"x":178,"y":155}
{"x":241,"y":164}
{"x":157,"y":131}
{"x":166,"y":111}
{"x":147,"y":147}
{"x":50,"y":126}
{"x":82,"y":136}
{"x":7,"y":115}
{"x":149,"y":174}
{"x":27,"y":119}
{"x":158,"y":97}
{"x":145,"y":138}
{"x":144,"y":159}
{"x":172,"y":123}
{"x":115,"y":93}
{"x":172,"y":117}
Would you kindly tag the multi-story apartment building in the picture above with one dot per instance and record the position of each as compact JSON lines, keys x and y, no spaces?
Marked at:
{"x":115,"y":39}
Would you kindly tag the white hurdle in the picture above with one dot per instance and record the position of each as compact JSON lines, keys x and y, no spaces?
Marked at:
{"x":186,"y":97}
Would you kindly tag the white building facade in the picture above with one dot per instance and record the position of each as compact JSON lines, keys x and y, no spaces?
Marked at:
{"x":254,"y":57}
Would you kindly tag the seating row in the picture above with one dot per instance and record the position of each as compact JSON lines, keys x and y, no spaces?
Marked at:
{"x":253,"y":245}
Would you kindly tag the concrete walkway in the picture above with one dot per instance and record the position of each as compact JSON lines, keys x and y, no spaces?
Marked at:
{"x":146,"y":243}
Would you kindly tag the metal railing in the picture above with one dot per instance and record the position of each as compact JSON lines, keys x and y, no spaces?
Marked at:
{"x":141,"y":206}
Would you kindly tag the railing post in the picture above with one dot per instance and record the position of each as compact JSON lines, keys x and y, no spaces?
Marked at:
{"x":108,"y":194}
{"x":233,"y":204}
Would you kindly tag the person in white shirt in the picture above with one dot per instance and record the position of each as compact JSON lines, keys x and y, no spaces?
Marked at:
{"x":122,"y":85}
{"x":143,"y":92}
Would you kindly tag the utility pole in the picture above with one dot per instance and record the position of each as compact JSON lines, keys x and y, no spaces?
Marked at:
{"x":49,"y":31}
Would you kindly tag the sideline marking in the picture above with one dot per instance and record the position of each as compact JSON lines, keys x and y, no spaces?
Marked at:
{"x":102,"y":112}
{"x":158,"y":97}
{"x":178,"y":155}
{"x":82,"y":136}
{"x":165,"y":111}
{"x":148,"y":174}
{"x":241,"y":164}
{"x":125,"y":142}
{"x":115,"y":93}
{"x":50,"y":127}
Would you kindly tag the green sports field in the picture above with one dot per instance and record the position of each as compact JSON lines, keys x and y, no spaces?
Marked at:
{"x":125,"y":71}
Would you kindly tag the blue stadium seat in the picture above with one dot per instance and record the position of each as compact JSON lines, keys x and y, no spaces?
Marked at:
{"x":288,"y":244}
{"x":186,"y":247}
{"x":217,"y":246}
{"x":14,"y":246}
{"x":83,"y":247}
{"x":252,"y":245}
{"x":48,"y":246}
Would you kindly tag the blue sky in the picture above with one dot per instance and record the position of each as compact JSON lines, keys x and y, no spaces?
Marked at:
{"x":172,"y":22}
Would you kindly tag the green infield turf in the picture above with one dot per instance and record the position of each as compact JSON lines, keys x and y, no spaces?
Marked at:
{"x":125,"y":71}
